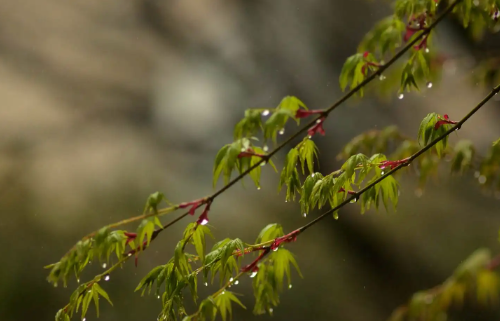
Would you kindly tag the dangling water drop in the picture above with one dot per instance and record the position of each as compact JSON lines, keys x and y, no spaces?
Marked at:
{"x":78,"y":280}
{"x":254,"y":273}
{"x":265,"y":148}
{"x":427,"y":50}
{"x":305,"y":214}
{"x":206,"y":284}
{"x":401,"y":96}
{"x":258,"y":188}
{"x":382,"y":173}
{"x":318,"y":121}
{"x":231,"y":280}
{"x":286,"y":201}
{"x":336,"y":216}
{"x":477,"y":174}
{"x":382,"y":77}
{"x":482,"y":179}
{"x":276,"y":249}
{"x":130,"y":254}
{"x":265,"y":112}
{"x":204,"y":222}
{"x":243,"y":149}
{"x":263,"y":164}
{"x":235,"y":283}
{"x":282,"y":131}
{"x":354,"y":200}
{"x":429,"y":84}
{"x":106,"y":277}
{"x":158,"y":297}
{"x":104,"y":265}
{"x":289,"y":286}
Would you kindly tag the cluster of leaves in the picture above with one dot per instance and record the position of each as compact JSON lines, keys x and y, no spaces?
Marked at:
{"x":410,"y":8}
{"x":478,"y":16}
{"x":82,"y":297}
{"x":268,"y":279}
{"x":101,"y":246}
{"x":307,"y":153}
{"x":252,"y":122}
{"x":471,"y":279}
{"x":229,"y":159}
{"x":105,"y":242}
{"x":224,"y":259}
{"x":354,"y":71}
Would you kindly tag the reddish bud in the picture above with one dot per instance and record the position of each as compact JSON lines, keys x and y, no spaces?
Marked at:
{"x":302,"y":113}
{"x":290,"y":237}
{"x":317,"y":128}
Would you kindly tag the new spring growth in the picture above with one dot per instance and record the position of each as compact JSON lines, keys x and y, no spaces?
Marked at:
{"x":369,"y":62}
{"x":416,"y":24}
{"x":444,"y":120}
{"x":393,"y":164}
{"x":194,"y":205}
{"x":203,"y":219}
{"x":318,"y":127}
{"x":290,"y":237}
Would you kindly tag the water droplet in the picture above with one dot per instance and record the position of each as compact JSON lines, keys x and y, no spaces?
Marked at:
{"x":90,"y":262}
{"x":477,"y":174}
{"x":305,"y":214}
{"x":289,"y":286}
{"x":382,"y":77}
{"x":84,"y":319}
{"x":263,"y":164}
{"x":223,"y":292}
{"x":265,"y":148}
{"x":106,"y":277}
{"x":231,"y":280}
{"x":427,"y":50}
{"x":354,"y":200}
{"x":270,"y":310}
{"x":236,"y":282}
{"x":382,"y":173}
{"x":204,"y":222}
{"x":309,"y":137}
{"x":419,"y":192}
{"x":130,"y":254}
{"x":243,"y":149}
{"x":265,"y":112}
{"x":336,"y":216}
{"x":401,"y":96}
{"x":482,"y":179}
{"x":282,"y":131}
{"x":104,"y":265}
{"x":206,"y":284}
{"x":429,"y":84}
{"x":254,"y":273}
{"x":286,"y":201}
{"x":318,"y":121}
{"x":258,"y":188}
{"x":276,"y":249}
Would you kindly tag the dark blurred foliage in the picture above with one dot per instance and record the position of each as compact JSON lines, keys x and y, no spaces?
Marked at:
{"x":105,"y":102}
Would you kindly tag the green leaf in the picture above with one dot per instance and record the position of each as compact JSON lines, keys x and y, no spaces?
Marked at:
{"x":153,"y":201}
{"x":223,"y":302}
{"x":249,"y":125}
{"x":354,"y":162}
{"x":281,"y":260}
{"x":220,"y":163}
{"x":270,"y":232}
{"x":308,"y":152}
{"x":198,"y":239}
{"x":306,"y":192}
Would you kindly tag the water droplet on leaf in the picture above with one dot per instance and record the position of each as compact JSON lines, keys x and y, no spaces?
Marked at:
{"x":401,"y":96}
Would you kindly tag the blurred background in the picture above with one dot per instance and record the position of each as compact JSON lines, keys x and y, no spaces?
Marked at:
{"x":105,"y":102}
